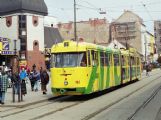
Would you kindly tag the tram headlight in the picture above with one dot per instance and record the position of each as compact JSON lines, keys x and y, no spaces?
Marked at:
{"x":65,"y":82}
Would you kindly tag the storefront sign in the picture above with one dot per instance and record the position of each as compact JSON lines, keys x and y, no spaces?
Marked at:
{"x":7,"y":52}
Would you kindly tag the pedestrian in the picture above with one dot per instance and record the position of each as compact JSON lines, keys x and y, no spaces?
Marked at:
{"x":35,"y":78}
{"x":23,"y":76}
{"x":15,"y":79}
{"x":147,"y":69}
{"x":3,"y":85}
{"x":32,"y":81}
{"x":44,"y":80}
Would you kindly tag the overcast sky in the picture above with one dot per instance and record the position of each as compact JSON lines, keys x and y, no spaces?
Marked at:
{"x":148,"y":10}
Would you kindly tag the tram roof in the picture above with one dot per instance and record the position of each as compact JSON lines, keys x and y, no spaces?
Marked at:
{"x":72,"y":46}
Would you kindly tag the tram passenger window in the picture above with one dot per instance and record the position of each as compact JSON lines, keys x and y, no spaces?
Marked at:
{"x":123,"y":62}
{"x":94,"y":58}
{"x":83,"y":61}
{"x":102,"y":57}
{"x":106,"y":59}
{"x":132,"y":60}
{"x":116,"y":60}
{"x":138,"y":61}
{"x":89,"y":59}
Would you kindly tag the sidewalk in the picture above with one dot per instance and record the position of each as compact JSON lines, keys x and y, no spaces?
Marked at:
{"x":30,"y":98}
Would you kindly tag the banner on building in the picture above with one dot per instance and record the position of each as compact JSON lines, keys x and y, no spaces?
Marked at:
{"x":1,"y":44}
{"x":5,"y":43}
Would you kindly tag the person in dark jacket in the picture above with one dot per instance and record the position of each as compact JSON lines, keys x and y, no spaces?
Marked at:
{"x":44,"y":80}
{"x":3,"y":85}
{"x":15,"y":79}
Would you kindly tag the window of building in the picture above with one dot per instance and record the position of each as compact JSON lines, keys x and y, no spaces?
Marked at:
{"x":22,"y":32}
{"x":9,"y":21}
{"x":35,"y":20}
{"x":23,"y":47}
{"x":36,"y":45}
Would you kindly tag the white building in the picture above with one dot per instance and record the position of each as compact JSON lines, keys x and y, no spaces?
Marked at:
{"x":50,"y":21}
{"x":24,"y":20}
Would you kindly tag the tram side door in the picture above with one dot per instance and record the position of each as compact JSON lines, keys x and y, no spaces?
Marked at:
{"x":131,"y":70}
{"x":95,"y":69}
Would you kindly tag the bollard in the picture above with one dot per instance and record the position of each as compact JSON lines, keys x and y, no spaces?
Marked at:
{"x":18,"y":91}
{"x":21,"y":95}
{"x":13,"y":92}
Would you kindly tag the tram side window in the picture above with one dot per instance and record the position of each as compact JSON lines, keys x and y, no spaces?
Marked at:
{"x":107,"y":59}
{"x":102,"y":57}
{"x":128,"y":62}
{"x":122,"y":60}
{"x":89,"y":59}
{"x":138,"y":61}
{"x":83,"y":61}
{"x":52,"y":60}
{"x":94,"y":58}
{"x":132,"y":61}
{"x":116,"y":60}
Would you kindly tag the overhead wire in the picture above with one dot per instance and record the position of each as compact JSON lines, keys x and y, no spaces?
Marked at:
{"x":97,"y":9}
{"x":144,"y":5}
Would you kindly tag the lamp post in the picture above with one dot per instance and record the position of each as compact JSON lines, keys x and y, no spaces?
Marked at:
{"x":15,"y":71}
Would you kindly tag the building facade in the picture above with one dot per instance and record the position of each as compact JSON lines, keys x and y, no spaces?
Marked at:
{"x":148,"y":47}
{"x":130,"y":29}
{"x":157,"y":33}
{"x":92,"y":31}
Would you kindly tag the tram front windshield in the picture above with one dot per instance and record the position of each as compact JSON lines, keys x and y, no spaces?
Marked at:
{"x":71,"y":59}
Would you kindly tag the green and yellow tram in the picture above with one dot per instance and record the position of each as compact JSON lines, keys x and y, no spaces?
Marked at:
{"x":84,"y":68}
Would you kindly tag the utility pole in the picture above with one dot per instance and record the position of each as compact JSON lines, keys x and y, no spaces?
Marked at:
{"x":126,"y":36}
{"x":145,"y":47}
{"x":75,"y":24}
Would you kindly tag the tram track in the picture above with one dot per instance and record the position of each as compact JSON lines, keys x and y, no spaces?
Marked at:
{"x":95,"y":113}
{"x":92,"y":115}
{"x":61,"y":109}
{"x":65,"y":98}
{"x":31,"y":106}
{"x":145,"y":103}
